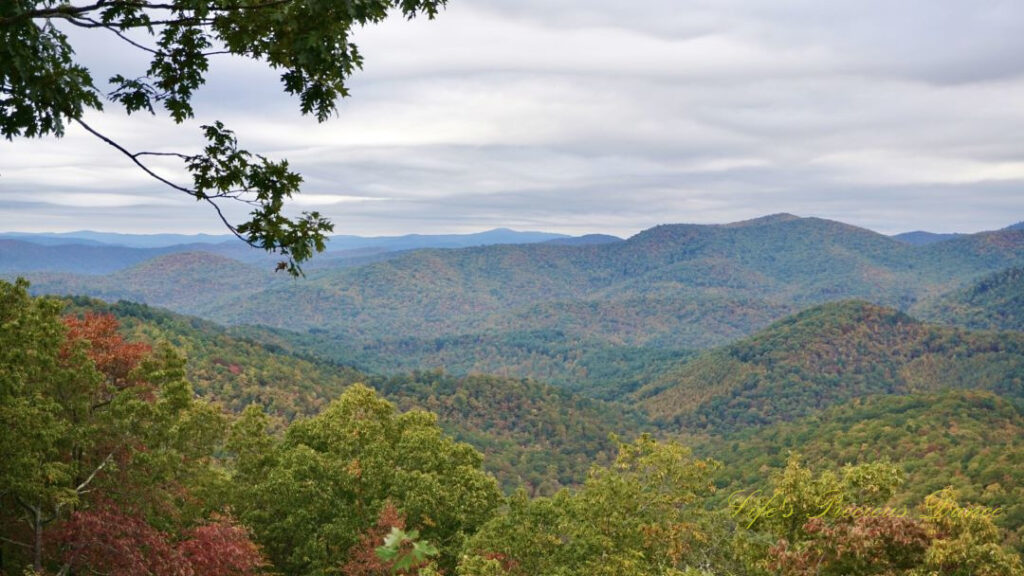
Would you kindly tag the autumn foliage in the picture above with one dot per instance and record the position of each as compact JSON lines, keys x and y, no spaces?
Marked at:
{"x":108,"y":350}
{"x":362,"y":558}
{"x":865,"y":545}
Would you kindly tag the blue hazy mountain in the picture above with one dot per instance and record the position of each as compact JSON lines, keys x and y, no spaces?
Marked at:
{"x":88,"y":252}
{"x":340,"y":242}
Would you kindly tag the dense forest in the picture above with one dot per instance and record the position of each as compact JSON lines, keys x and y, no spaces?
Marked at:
{"x":144,"y":442}
{"x":602,"y":319}
{"x":832,"y":354}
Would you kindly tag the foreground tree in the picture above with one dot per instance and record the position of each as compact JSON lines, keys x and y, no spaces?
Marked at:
{"x":43,"y":86}
{"x":106,"y":456}
{"x":831,"y":524}
{"x":643,"y":515}
{"x":313,"y":496}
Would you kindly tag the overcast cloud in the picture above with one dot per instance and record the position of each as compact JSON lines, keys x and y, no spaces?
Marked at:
{"x":584,"y":116}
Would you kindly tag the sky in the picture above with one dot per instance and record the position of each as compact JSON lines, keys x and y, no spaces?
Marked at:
{"x":590,"y":116}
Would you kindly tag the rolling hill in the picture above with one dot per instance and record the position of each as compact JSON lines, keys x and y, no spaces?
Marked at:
{"x":187,"y":282}
{"x":534,"y":435}
{"x":87,"y":252}
{"x":922,"y":238}
{"x":996,"y":302}
{"x":828,"y":355}
{"x":670,"y":289}
{"x":782,"y":261}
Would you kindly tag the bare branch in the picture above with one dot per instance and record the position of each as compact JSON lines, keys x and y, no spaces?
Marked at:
{"x":175,"y":154}
{"x":15,"y":542}
{"x":55,"y":12}
{"x":85,"y":483}
{"x":83,"y":22}
{"x":70,"y":11}
{"x":129,"y":40}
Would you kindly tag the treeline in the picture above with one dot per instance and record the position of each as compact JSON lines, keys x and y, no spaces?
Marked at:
{"x":591,"y":367}
{"x":533,"y":436}
{"x":996,"y":302}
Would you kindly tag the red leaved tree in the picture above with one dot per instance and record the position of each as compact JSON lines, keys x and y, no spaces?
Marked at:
{"x":221,"y":548}
{"x":111,"y":540}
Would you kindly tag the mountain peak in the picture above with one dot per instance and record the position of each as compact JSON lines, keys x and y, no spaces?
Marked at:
{"x":764,"y":220}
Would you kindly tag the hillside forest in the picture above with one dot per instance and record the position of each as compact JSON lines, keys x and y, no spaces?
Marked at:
{"x":783,"y":396}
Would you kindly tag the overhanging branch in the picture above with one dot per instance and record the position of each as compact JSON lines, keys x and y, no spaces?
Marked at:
{"x":70,"y":11}
{"x":134,"y":157}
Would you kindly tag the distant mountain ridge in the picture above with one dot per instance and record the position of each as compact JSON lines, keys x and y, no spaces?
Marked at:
{"x":336,"y":243}
{"x":88,"y":252}
{"x":922,"y":238}
{"x":670,"y":289}
{"x":116,"y":239}
{"x":19,"y":256}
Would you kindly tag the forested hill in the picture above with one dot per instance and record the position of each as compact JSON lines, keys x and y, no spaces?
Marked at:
{"x":565,"y":312}
{"x":227,"y":369}
{"x":188,"y":282}
{"x":533,"y":435}
{"x":86,"y":252}
{"x":783,"y":260}
{"x":779,"y":258}
{"x":828,"y":355}
{"x":996,"y":302}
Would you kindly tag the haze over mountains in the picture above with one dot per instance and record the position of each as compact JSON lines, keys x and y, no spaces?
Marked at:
{"x":563,"y":310}
{"x":90,"y":252}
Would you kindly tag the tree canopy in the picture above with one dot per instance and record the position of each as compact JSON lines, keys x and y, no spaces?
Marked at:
{"x":43,"y":87}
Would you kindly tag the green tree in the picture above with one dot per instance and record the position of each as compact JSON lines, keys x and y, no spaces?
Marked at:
{"x":966,"y":541}
{"x":43,"y":86}
{"x":643,"y":515}
{"x":93,"y":423}
{"x":838,"y":524}
{"x":310,"y":495}
{"x":37,"y":481}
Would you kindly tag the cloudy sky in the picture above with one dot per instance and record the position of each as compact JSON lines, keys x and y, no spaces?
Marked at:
{"x":584,"y":116}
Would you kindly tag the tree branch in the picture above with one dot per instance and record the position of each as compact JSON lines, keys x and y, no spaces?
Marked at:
{"x":134,"y":158}
{"x":15,"y":542}
{"x":102,"y":465}
{"x":69,"y":11}
{"x":175,"y":154}
{"x":129,"y":40}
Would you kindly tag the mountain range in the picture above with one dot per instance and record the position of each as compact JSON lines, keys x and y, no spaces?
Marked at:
{"x":561,"y":310}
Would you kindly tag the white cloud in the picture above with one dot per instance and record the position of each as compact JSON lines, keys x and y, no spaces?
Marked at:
{"x":305,"y":200}
{"x":95,"y":199}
